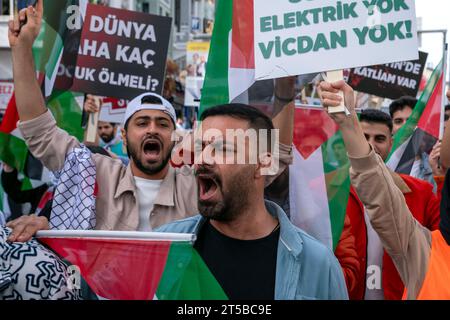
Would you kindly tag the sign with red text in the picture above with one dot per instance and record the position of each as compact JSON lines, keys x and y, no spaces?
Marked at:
{"x":113,"y":110}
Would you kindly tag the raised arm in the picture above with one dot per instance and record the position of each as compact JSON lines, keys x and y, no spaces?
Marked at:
{"x":45,"y":140}
{"x":283,"y":120}
{"x":29,"y":100}
{"x":405,"y":240}
{"x":284,"y":109}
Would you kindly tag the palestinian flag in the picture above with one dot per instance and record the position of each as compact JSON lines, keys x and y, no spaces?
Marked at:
{"x":66,"y":108}
{"x":136,"y":265}
{"x":422,"y":130}
{"x":56,"y":48}
{"x":231,"y":63}
{"x":230,"y":72}
{"x":319,"y":177}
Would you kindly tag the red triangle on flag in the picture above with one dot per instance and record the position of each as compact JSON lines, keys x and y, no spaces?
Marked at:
{"x":116,"y":269}
{"x":11,"y":117}
{"x":431,"y":117}
{"x":312,"y":129}
{"x":242,"y":47}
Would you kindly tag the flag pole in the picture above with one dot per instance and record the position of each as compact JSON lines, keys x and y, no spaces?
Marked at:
{"x":116,"y":235}
{"x":444,"y":82}
{"x":334,"y":76}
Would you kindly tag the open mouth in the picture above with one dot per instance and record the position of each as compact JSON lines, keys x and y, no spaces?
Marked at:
{"x":152,"y":148}
{"x":208,"y":187}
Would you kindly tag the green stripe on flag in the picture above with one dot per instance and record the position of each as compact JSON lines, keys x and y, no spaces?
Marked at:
{"x":338,"y":188}
{"x":186,"y":277}
{"x":13,"y":151}
{"x":215,"y":90}
{"x":49,"y":44}
{"x":410,"y":126}
{"x":67,"y":112}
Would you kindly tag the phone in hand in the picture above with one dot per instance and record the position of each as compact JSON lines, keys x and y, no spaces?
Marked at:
{"x":22,"y":4}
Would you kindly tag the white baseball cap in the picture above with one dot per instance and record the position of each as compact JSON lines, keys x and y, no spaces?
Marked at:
{"x":137,"y":104}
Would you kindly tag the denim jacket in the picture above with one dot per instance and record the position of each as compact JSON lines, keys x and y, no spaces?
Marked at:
{"x":305,"y":269}
{"x":426,"y":173}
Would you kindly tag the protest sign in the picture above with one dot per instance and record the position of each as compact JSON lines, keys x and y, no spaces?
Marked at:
{"x":192,"y":93}
{"x":122,"y":53}
{"x":305,"y":36}
{"x":392,"y":80}
{"x":113,"y":110}
{"x":196,"y":59}
{"x":6,"y":91}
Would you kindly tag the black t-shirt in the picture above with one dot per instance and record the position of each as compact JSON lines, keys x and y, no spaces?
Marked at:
{"x":445,"y":209}
{"x":244,"y":268}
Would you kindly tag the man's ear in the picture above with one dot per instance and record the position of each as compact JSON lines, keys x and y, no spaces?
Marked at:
{"x":265,"y":165}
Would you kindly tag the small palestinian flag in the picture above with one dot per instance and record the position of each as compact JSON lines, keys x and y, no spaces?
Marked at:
{"x":56,"y":48}
{"x":136,"y":265}
{"x":231,"y":63}
{"x":230,"y":72}
{"x":422,"y":130}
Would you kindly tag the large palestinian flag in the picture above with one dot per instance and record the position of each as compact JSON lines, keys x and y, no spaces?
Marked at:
{"x":422,"y":130}
{"x":136,"y":265}
{"x":319,"y":177}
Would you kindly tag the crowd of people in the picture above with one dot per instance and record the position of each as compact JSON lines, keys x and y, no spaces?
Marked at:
{"x":150,"y":177}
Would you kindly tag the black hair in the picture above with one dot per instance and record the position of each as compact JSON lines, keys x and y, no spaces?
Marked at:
{"x":447,"y":107}
{"x":402,"y":103}
{"x":257,"y":119}
{"x":376,"y":116}
{"x":146,"y":100}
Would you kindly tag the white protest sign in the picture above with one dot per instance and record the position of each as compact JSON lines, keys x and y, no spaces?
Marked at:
{"x":297,"y":37}
{"x":6,"y":92}
{"x":113,"y":110}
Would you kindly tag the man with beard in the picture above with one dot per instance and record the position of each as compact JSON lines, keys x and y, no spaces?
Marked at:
{"x":110,"y":140}
{"x":421,"y":257}
{"x":249,"y":244}
{"x":149,"y":192}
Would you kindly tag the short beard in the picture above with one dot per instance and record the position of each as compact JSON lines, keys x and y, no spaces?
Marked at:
{"x":234,"y":202}
{"x":149,"y":169}
{"x":108,"y":139}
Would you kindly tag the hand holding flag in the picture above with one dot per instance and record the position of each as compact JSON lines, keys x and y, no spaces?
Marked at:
{"x":25,"y":228}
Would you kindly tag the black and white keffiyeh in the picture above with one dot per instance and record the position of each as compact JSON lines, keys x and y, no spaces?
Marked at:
{"x":29,"y":271}
{"x":74,"y":200}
